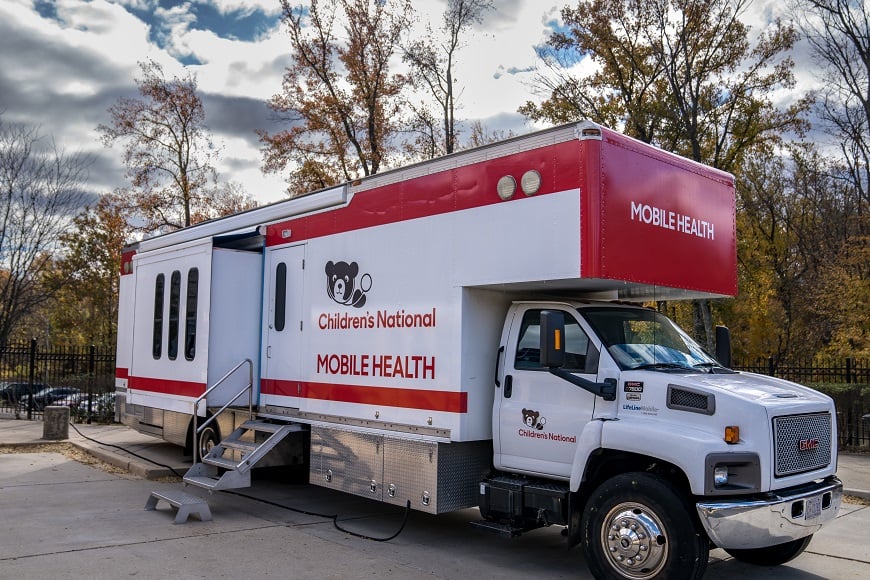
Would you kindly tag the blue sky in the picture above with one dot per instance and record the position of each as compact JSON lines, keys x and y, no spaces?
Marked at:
{"x":64,"y":62}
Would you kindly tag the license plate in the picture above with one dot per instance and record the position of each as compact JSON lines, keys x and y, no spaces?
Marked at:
{"x":813,"y":508}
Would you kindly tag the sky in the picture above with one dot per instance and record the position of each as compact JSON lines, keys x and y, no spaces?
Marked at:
{"x":63,"y":63}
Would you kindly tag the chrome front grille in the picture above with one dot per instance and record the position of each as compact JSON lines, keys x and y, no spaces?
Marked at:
{"x":802,"y":443}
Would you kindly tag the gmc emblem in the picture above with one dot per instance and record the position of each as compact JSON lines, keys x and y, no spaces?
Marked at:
{"x":808,"y":444}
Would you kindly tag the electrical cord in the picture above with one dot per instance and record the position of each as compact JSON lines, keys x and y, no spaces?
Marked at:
{"x":334,"y":517}
{"x":134,"y":454}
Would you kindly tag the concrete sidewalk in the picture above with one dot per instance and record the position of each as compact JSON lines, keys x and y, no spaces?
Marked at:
{"x":139,"y":454}
{"x":152,"y":458}
{"x":72,"y":521}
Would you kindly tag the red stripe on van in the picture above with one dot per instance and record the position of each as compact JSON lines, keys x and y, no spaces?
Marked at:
{"x":424,"y":399}
{"x":167,"y":386}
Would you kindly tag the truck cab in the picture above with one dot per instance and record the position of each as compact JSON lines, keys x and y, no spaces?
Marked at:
{"x":656,"y":443}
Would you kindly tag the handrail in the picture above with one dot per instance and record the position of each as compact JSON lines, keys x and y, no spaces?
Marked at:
{"x":202,"y":397}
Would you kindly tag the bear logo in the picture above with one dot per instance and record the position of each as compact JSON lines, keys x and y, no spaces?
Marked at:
{"x":341,"y":284}
{"x":533,"y":419}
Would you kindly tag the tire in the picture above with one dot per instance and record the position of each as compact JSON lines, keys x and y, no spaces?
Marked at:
{"x":772,"y":555}
{"x":207,"y":440}
{"x":638,"y":526}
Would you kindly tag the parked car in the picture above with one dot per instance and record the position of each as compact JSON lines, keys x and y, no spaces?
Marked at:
{"x":102,"y":406}
{"x":13,"y":393}
{"x":49,"y":396}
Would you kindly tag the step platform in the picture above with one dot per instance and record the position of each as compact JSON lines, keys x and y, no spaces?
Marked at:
{"x":186,"y":504}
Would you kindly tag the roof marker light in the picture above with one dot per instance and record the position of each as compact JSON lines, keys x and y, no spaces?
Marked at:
{"x":506,"y":187}
{"x":531,"y":182}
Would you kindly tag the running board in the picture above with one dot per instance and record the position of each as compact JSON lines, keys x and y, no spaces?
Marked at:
{"x":228,"y":465}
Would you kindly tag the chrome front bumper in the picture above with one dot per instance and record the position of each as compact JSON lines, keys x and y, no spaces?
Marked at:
{"x":781,"y":517}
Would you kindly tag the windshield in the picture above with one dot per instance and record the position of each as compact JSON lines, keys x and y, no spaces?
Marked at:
{"x":639,"y":338}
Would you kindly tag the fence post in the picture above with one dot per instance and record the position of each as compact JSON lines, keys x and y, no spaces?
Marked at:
{"x":91,"y":378}
{"x":848,"y":371}
{"x":771,"y":367}
{"x":32,"y":378}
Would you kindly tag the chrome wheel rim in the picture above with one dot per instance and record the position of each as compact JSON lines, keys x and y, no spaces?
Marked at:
{"x":634,"y":541}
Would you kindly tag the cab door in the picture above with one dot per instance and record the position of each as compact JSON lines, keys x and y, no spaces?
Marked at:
{"x":540,"y":416}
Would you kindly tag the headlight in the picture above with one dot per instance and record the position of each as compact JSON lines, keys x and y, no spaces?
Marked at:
{"x":732,"y":473}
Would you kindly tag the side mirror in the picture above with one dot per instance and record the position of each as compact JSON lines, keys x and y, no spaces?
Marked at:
{"x":552,"y":338}
{"x":723,"y":346}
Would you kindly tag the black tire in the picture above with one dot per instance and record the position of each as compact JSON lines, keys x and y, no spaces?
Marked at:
{"x":209,"y":437}
{"x":638,"y":526}
{"x":773,"y":555}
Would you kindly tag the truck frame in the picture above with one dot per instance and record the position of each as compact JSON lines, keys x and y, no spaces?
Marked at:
{"x":470,"y":331}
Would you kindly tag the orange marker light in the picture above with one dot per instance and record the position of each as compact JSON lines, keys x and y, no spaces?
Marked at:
{"x":732,"y":434}
{"x":558,"y":339}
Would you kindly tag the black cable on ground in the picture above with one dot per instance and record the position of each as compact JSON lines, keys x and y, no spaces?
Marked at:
{"x":363,"y":536}
{"x":334,"y":518}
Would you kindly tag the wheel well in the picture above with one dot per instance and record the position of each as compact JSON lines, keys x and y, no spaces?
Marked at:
{"x":606,"y":463}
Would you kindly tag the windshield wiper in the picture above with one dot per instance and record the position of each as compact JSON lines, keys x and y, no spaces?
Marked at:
{"x":660,"y":366}
{"x":714,"y":368}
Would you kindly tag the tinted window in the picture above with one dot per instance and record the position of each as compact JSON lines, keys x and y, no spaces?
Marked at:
{"x":174,"y":307}
{"x":190,"y":314}
{"x":157,"y":337}
{"x":280,"y":296}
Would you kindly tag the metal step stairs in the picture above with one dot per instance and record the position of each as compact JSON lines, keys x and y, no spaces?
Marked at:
{"x":186,"y":504}
{"x":228,"y":464}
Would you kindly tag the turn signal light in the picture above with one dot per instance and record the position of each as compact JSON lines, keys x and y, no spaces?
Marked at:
{"x":732,"y":434}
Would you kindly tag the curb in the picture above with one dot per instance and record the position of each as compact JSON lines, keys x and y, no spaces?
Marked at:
{"x":859,"y":493}
{"x":133,"y":466}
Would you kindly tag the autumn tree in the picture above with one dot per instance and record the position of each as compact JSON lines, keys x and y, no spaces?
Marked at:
{"x":167,"y":149}
{"x":339,"y":98}
{"x":85,"y":308}
{"x":681,"y":74}
{"x":432,"y":59}
{"x":625,"y":89}
{"x":41,"y":189}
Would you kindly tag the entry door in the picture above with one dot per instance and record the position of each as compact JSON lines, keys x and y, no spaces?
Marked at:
{"x":283,"y":337}
{"x":540,"y":416}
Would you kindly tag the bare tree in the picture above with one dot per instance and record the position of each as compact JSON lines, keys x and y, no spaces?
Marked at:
{"x":432,"y":60}
{"x":41,"y":189}
{"x":168,"y":150}
{"x":839,"y":33}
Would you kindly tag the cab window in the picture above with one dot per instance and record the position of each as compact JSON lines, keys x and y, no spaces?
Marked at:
{"x":577,"y":345}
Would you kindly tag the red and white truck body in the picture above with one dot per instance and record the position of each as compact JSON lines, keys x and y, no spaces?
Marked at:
{"x":395,"y":323}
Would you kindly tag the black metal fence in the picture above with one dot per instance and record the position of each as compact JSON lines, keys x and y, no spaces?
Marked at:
{"x":847,"y":381}
{"x":32,"y":378}
{"x":25,"y":369}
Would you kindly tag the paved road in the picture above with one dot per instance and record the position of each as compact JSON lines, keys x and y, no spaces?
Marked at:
{"x":73,"y":521}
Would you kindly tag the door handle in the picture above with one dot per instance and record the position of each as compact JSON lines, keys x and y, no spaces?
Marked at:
{"x":508,"y":386}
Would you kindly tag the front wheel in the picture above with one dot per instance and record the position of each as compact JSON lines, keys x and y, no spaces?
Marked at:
{"x":637,"y":526}
{"x":773,"y":555}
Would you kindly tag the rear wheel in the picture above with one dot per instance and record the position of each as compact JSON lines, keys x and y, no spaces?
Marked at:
{"x":208,"y":439}
{"x":773,"y":555}
{"x":637,"y":526}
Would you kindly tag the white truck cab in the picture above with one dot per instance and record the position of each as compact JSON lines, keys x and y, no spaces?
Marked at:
{"x":660,"y":442}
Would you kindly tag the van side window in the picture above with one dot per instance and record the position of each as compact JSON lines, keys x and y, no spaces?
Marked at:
{"x":280,"y":296}
{"x":174,"y":308}
{"x":157,"y":336}
{"x":190,"y":314}
{"x":577,"y":345}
